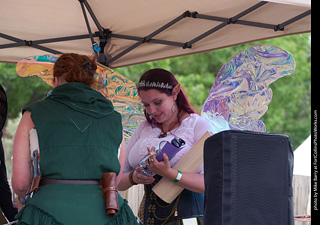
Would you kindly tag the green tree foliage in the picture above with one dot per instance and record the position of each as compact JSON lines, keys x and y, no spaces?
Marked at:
{"x":289,"y":111}
{"x":20,"y":91}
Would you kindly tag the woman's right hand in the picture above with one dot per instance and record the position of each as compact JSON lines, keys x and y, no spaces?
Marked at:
{"x":140,"y":178}
{"x":137,"y":177}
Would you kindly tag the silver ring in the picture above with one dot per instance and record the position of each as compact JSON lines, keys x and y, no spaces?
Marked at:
{"x":138,"y":176}
{"x":151,"y":160}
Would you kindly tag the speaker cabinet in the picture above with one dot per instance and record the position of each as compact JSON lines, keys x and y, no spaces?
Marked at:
{"x":248,"y":179}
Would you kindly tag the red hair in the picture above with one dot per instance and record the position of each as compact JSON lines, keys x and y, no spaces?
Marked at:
{"x":75,"y":68}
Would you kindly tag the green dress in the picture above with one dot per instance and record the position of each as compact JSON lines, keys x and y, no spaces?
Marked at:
{"x":79,"y":135}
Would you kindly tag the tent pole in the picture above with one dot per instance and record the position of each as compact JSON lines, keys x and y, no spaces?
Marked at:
{"x":190,"y":43}
{"x":43,"y":41}
{"x":249,"y":10}
{"x":88,"y":26}
{"x":94,"y":18}
{"x":292,"y":20}
{"x":242,"y":22}
{"x":156,"y":41}
{"x":147,"y":38}
{"x":99,"y":50}
{"x":225,"y":23}
{"x":20,"y":42}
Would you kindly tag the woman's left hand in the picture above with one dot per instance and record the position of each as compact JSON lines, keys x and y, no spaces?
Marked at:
{"x":191,"y":181}
{"x":161,"y":168}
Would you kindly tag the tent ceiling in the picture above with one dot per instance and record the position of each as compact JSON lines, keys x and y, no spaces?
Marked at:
{"x":140,"y":31}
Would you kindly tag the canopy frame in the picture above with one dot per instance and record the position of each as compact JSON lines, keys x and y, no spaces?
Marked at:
{"x":105,"y":35}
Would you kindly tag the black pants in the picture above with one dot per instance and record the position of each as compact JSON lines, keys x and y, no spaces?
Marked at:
{"x":5,"y":191}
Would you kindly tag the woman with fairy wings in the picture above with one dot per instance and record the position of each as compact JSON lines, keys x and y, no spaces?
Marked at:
{"x":237,"y":99}
{"x":168,"y":115}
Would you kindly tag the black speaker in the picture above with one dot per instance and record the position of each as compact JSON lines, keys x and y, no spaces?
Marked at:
{"x":248,"y":179}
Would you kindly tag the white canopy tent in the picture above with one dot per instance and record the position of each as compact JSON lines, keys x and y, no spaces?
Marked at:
{"x":302,"y":178}
{"x":302,"y":159}
{"x":133,"y":32}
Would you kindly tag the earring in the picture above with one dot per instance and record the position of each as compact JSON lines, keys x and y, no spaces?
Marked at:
{"x":173,"y":109}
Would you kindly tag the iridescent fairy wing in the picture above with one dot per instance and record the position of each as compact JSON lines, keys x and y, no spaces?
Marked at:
{"x":240,"y":94}
{"x":117,"y":88}
{"x":41,"y":66}
{"x":123,"y":94}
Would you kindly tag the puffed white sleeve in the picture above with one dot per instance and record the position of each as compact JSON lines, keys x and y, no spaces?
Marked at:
{"x":201,"y":127}
{"x":133,"y":139}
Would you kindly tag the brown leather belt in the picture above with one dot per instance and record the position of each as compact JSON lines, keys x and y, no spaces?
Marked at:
{"x":108,"y":185}
{"x":45,"y":181}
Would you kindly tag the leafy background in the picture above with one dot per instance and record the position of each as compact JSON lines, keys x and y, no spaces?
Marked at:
{"x":289,"y":112}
